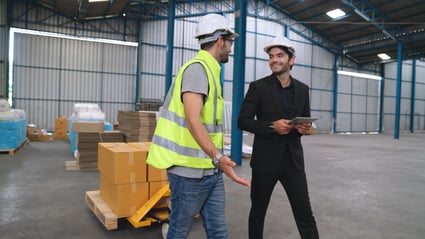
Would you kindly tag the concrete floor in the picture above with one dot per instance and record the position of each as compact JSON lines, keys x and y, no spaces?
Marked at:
{"x":361,"y":187}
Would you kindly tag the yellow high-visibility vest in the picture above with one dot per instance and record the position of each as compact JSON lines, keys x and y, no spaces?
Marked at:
{"x":172,"y":143}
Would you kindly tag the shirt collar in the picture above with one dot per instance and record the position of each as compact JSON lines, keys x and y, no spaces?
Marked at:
{"x":291,"y":85}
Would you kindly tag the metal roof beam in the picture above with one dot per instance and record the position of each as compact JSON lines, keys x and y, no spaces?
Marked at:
{"x":369,"y":13}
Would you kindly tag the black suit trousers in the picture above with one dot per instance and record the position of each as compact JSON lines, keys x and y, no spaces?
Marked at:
{"x":294,"y":182}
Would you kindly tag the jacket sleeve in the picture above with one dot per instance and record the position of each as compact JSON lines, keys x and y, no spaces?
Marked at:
{"x":247,"y":119}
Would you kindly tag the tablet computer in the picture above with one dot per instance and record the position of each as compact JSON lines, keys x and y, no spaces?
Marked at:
{"x":301,"y":120}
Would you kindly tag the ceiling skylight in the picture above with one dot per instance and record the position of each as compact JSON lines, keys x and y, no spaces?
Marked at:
{"x":384,"y":56}
{"x":336,"y":13}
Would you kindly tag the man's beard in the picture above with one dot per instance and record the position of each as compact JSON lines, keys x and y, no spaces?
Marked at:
{"x":224,"y":58}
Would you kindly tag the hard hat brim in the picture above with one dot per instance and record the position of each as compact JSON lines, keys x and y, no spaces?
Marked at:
{"x":209,"y":38}
{"x":267,"y":48}
{"x":288,"y":48}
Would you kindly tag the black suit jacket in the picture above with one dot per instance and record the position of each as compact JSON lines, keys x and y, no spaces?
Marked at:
{"x":263,"y":105}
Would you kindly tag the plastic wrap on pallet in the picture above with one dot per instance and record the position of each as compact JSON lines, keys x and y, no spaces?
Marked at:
{"x":8,"y":116}
{"x":13,"y":133}
{"x":87,"y":112}
{"x":19,"y":112}
{"x":88,"y":116}
{"x":86,"y":107}
{"x":4,"y":105}
{"x":91,"y":116}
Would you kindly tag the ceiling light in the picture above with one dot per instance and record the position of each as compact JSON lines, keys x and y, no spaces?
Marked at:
{"x":360,"y":75}
{"x":335,"y":13}
{"x":384,"y":56}
{"x":98,"y":0}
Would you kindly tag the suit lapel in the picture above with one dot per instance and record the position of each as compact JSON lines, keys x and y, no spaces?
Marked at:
{"x":275,"y":94}
{"x":297,"y":98}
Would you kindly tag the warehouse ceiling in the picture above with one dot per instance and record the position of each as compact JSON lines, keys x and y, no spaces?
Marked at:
{"x":369,"y":27}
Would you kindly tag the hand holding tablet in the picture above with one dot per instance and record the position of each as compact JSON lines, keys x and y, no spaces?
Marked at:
{"x":302,"y":120}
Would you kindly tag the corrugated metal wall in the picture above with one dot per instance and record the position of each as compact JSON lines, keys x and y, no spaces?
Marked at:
{"x":419,"y":122}
{"x":358,"y":104}
{"x":406,"y":96}
{"x":153,"y":53}
{"x":52,"y":74}
{"x":3,"y":47}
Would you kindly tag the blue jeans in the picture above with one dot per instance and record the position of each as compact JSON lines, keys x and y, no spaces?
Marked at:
{"x":192,"y":196}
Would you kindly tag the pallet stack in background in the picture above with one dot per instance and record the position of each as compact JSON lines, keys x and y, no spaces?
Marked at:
{"x":12,"y":126}
{"x":137,"y":126}
{"x":126,"y":181}
{"x":13,"y":132}
{"x":87,"y":144}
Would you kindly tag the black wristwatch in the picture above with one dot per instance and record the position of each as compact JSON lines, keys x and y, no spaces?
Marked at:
{"x":271,"y":126}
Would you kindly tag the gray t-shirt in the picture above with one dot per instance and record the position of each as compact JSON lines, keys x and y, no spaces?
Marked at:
{"x":195,"y":80}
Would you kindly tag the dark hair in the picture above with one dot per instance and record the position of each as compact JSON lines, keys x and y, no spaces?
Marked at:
{"x":288,"y":51}
{"x":207,"y":45}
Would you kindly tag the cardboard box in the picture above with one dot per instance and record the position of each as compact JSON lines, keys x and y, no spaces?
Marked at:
{"x":154,"y":174}
{"x":31,"y":129}
{"x":60,"y":133}
{"x":33,"y":137}
{"x":61,"y":123}
{"x":122,"y":163}
{"x":123,"y":199}
{"x":88,"y":126}
{"x":42,"y":135}
{"x":154,"y":187}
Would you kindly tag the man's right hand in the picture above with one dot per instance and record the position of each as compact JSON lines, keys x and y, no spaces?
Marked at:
{"x":227,"y":165}
{"x":282,"y":127}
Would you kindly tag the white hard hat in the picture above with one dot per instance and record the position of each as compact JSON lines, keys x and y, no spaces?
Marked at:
{"x":280,"y":42}
{"x":211,"y":26}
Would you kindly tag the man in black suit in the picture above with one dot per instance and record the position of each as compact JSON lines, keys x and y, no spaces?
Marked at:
{"x":277,"y":152}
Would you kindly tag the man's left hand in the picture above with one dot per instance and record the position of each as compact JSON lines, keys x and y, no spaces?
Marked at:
{"x":303,"y":128}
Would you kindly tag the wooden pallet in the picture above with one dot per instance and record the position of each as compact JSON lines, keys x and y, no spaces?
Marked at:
{"x":102,"y":211}
{"x":12,"y":151}
{"x":72,"y":165}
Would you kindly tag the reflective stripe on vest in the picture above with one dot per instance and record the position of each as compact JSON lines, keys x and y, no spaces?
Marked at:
{"x":172,"y":143}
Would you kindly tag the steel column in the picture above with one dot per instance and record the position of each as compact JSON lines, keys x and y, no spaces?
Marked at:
{"x":381,"y":98}
{"x":398,"y":91}
{"x":238,"y":79}
{"x":335,"y":94}
{"x":170,"y":44}
{"x":412,"y":98}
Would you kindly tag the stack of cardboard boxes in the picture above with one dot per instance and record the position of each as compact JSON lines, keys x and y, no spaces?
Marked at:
{"x":137,"y":126}
{"x":87,"y":144}
{"x":34,"y":134}
{"x":126,"y":181}
{"x":61,"y":128}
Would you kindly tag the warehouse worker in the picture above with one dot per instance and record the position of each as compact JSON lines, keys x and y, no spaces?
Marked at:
{"x":188,"y":139}
{"x":277,"y":151}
